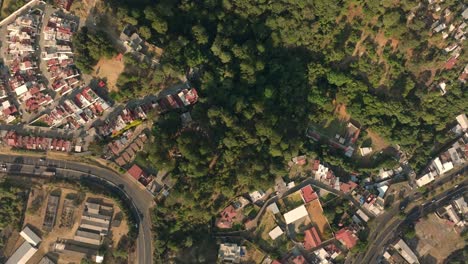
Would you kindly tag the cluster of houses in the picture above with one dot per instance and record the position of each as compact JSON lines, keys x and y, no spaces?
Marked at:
{"x":25,"y":84}
{"x":57,"y":54}
{"x":344,"y":141}
{"x":123,"y":121}
{"x":37,"y":143}
{"x":85,"y":107}
{"x":183,"y":98}
{"x":156,"y":185}
{"x":453,"y":28}
{"x":125,"y":149}
{"x":456,"y":155}
{"x":306,"y":219}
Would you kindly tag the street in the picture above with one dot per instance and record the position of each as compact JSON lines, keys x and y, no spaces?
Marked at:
{"x":142,"y":200}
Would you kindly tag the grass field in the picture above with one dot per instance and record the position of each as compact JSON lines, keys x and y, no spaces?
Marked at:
{"x":267,"y":223}
{"x":291,"y":201}
{"x":254,"y":255}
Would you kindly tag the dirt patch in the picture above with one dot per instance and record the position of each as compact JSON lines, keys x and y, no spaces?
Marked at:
{"x":316,"y":215}
{"x":378,"y":143}
{"x":109,"y":69}
{"x":354,"y":10}
{"x":340,"y":111}
{"x":437,"y":238}
{"x":254,"y":255}
{"x":82,"y":8}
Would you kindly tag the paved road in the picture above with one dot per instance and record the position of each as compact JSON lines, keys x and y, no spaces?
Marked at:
{"x":141,"y":199}
{"x":376,"y":248}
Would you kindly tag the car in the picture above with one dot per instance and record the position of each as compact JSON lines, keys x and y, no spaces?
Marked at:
{"x":456,"y":186}
{"x":433,"y":200}
{"x":42,"y":159}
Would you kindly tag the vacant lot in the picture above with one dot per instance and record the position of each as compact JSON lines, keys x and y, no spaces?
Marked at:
{"x":109,"y":69}
{"x":291,"y":201}
{"x":316,"y":215}
{"x":254,"y":255}
{"x":267,"y":224}
{"x":436,"y":238}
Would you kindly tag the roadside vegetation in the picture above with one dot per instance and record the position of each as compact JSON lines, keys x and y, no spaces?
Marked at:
{"x":12,"y":203}
{"x":268,"y":70}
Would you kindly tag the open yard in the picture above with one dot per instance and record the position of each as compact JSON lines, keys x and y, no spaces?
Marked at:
{"x":291,"y":202}
{"x":435,"y":240}
{"x":109,"y":69}
{"x":316,"y":215}
{"x":267,"y":223}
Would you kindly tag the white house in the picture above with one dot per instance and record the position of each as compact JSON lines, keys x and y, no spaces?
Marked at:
{"x":295,"y":214}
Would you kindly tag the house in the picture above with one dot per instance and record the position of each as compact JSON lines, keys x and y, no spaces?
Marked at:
{"x":362,"y":215}
{"x":136,"y":172}
{"x":230,"y":253}
{"x":227,"y":217}
{"x":22,"y":254}
{"x":295,"y":214}
{"x":256,"y":196}
{"x":308,"y":194}
{"x":348,"y":187}
{"x":30,"y":236}
{"x":463,"y":120}
{"x":382,"y":190}
{"x":346,"y":237}
{"x":300,"y":160}
{"x":405,"y":251}
{"x":273,"y":208}
{"x":311,"y":239}
{"x":365,"y":151}
{"x":298,"y":260}
{"x":465,"y":13}
{"x":442,"y":87}
{"x":275,"y":232}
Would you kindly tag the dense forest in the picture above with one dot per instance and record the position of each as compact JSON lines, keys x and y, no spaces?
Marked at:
{"x":265,"y":70}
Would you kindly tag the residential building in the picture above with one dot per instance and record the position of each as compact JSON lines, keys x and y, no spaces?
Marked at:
{"x":311,"y":238}
{"x":347,"y":237}
{"x":227,"y":217}
{"x":275,"y":232}
{"x":256,"y":196}
{"x":426,"y":179}
{"x":230,"y":253}
{"x":273,"y":208}
{"x":295,"y":214}
{"x":308,"y":194}
{"x":463,"y":120}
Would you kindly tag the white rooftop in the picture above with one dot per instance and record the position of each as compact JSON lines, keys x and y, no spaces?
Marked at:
{"x":275,"y":233}
{"x":463,"y":120}
{"x":22,"y":254}
{"x":295,"y":214}
{"x":30,"y":236}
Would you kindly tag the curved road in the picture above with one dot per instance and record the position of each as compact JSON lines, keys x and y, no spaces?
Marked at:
{"x":141,"y":199}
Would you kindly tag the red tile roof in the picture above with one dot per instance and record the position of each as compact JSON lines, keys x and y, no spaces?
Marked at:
{"x":299,"y":260}
{"x":136,"y":172}
{"x":348,"y":187}
{"x":346,"y":237}
{"x":308,"y":194}
{"x":311,"y":239}
{"x":316,"y":165}
{"x":228,"y":215}
{"x":450,"y":63}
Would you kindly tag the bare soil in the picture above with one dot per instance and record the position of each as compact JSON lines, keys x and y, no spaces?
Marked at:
{"x":378,"y":143}
{"x":109,"y":69}
{"x":437,"y":238}
{"x":316,"y":215}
